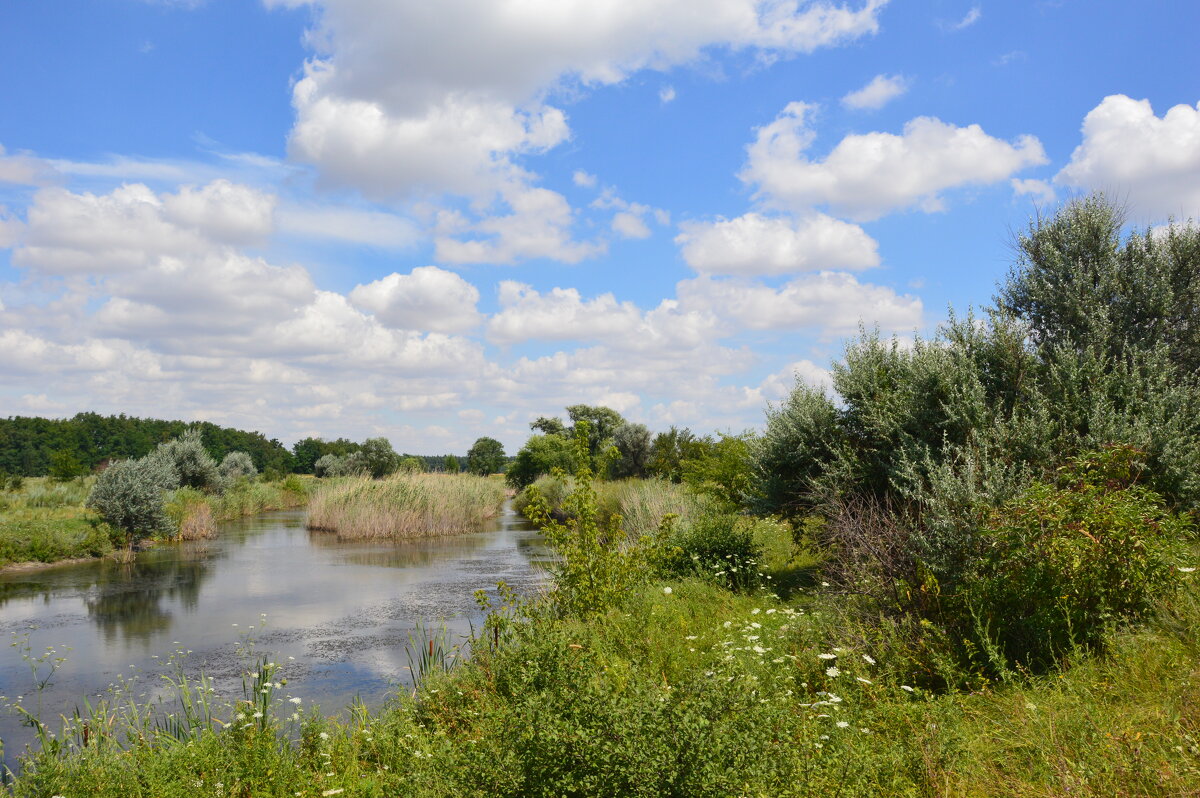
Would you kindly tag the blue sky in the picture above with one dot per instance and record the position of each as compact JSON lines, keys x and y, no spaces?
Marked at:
{"x":435,"y":221}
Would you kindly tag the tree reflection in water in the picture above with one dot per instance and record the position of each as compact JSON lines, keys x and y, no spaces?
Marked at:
{"x":128,"y":596}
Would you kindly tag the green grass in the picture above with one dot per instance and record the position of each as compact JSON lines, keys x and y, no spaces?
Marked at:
{"x":641,"y":503}
{"x":685,"y":688}
{"x":405,"y":505}
{"x":45,"y":521}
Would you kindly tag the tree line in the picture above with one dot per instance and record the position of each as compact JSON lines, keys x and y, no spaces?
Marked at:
{"x":32,"y":447}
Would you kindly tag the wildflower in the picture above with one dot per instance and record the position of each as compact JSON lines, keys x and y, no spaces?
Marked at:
{"x":827,"y":656}
{"x":666,"y":591}
{"x":690,"y":637}
{"x":841,"y":724}
{"x":755,"y":611}
{"x":833,"y":672}
{"x":257,"y":715}
{"x":295,"y":699}
{"x":727,"y":624}
{"x":323,"y":736}
{"x":864,"y":681}
{"x":868,"y":659}
{"x":906,"y":688}
{"x":1185,"y":570}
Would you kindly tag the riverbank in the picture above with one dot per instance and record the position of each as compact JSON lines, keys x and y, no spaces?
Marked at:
{"x":683,"y":686}
{"x":44,"y":522}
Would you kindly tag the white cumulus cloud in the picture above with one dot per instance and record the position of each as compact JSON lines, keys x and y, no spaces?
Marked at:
{"x":405,"y":98}
{"x":869,"y":175}
{"x":829,"y":303}
{"x":428,"y":298}
{"x":758,"y":244}
{"x":879,"y":92}
{"x":1151,"y":162}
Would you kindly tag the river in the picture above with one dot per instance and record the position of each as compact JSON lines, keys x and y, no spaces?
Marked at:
{"x":336,"y":615}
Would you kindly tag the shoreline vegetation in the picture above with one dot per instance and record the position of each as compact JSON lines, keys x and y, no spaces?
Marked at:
{"x":968,"y":568}
{"x":404,"y":506}
{"x":45,"y":523}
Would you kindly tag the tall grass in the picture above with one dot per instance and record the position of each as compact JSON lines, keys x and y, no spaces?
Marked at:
{"x":641,"y":503}
{"x":45,"y":521}
{"x":405,"y":506}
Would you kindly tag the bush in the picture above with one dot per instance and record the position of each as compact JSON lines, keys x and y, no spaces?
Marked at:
{"x":237,"y":465}
{"x":129,"y":496}
{"x":190,"y":461}
{"x":1068,"y":560}
{"x":715,"y":546}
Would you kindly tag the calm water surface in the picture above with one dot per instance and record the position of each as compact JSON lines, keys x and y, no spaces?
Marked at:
{"x":343,"y":611}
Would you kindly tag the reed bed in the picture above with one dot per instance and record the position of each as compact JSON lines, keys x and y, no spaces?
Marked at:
{"x":405,"y":506}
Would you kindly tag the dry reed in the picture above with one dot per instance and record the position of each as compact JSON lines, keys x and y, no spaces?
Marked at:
{"x":405,"y":506}
{"x":198,"y":523}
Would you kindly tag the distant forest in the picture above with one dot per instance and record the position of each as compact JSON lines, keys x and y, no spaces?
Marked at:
{"x":29,"y":444}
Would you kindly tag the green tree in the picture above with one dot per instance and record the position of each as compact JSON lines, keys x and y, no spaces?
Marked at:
{"x":65,"y":466}
{"x":540,"y":455}
{"x":378,"y":457}
{"x":485,"y":457}
{"x":668,"y":451}
{"x":1079,"y":285}
{"x":602,"y":422}
{"x":633,"y":451}
{"x":549,"y":426}
{"x":452,"y":464}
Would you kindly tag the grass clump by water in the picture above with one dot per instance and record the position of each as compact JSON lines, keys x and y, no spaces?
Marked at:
{"x":405,"y":506}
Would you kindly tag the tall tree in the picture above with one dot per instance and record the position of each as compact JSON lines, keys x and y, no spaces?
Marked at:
{"x":485,"y":457}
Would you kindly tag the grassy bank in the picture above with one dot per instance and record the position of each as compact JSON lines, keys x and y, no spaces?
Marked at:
{"x":195,"y":514}
{"x":405,"y":506}
{"x":687,"y":688}
{"x":45,"y":521}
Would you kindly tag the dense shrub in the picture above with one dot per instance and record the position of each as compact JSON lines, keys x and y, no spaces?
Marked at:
{"x":714,"y":546}
{"x":187,"y":457}
{"x":237,"y":465}
{"x":1067,"y":560}
{"x":129,"y":496}
{"x":327,"y":465}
